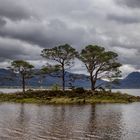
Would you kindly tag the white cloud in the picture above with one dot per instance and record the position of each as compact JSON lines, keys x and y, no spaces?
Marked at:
{"x":126,"y":69}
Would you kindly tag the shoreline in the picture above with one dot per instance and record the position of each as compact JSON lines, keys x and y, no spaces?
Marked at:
{"x":68,"y":97}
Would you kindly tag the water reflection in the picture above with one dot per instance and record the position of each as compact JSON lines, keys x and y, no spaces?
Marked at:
{"x":103,"y":122}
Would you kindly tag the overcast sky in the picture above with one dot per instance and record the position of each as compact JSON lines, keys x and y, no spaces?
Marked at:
{"x":28,"y":26}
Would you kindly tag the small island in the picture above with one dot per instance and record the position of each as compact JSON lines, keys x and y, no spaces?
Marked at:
{"x":99,"y":63}
{"x":77,"y":96}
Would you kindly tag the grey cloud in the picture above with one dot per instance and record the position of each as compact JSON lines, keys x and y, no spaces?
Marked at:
{"x":128,"y":55}
{"x":13,"y":10}
{"x":2,"y":22}
{"x":56,"y":32}
{"x":28,"y":26}
{"x":11,"y":49}
{"x":129,"y":3}
{"x":125,"y":19}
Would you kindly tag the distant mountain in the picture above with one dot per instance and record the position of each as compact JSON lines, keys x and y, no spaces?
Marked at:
{"x":131,"y":81}
{"x":7,"y":78}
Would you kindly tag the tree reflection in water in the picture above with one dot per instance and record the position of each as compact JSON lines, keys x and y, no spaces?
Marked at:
{"x":41,"y":122}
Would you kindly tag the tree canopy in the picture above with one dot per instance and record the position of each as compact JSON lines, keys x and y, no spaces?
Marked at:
{"x":63,"y":55}
{"x":23,"y":68}
{"x":99,"y":63}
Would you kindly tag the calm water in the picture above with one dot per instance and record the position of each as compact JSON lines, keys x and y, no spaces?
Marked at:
{"x":9,"y":90}
{"x":135,"y":92}
{"x":70,"y":122}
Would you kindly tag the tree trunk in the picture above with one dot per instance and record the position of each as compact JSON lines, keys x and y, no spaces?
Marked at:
{"x":63,"y":78}
{"x":93,"y":82}
{"x":23,"y":83}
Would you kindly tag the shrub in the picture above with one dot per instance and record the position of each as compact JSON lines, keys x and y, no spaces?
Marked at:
{"x":55,"y":87}
{"x":79,"y":90}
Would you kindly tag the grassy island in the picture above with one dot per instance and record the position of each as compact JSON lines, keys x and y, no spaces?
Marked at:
{"x":68,"y":97}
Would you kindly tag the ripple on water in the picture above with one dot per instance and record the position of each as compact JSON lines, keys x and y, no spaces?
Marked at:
{"x":98,"y":122}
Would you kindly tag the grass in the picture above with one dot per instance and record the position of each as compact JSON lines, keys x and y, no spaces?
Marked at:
{"x":68,"y":97}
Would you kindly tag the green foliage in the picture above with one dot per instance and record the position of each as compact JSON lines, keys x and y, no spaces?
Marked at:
{"x":63,"y":55}
{"x":68,"y":97}
{"x":55,"y":87}
{"x":100,"y":63}
{"x":24,"y":69}
{"x":79,"y":90}
{"x":48,"y":69}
